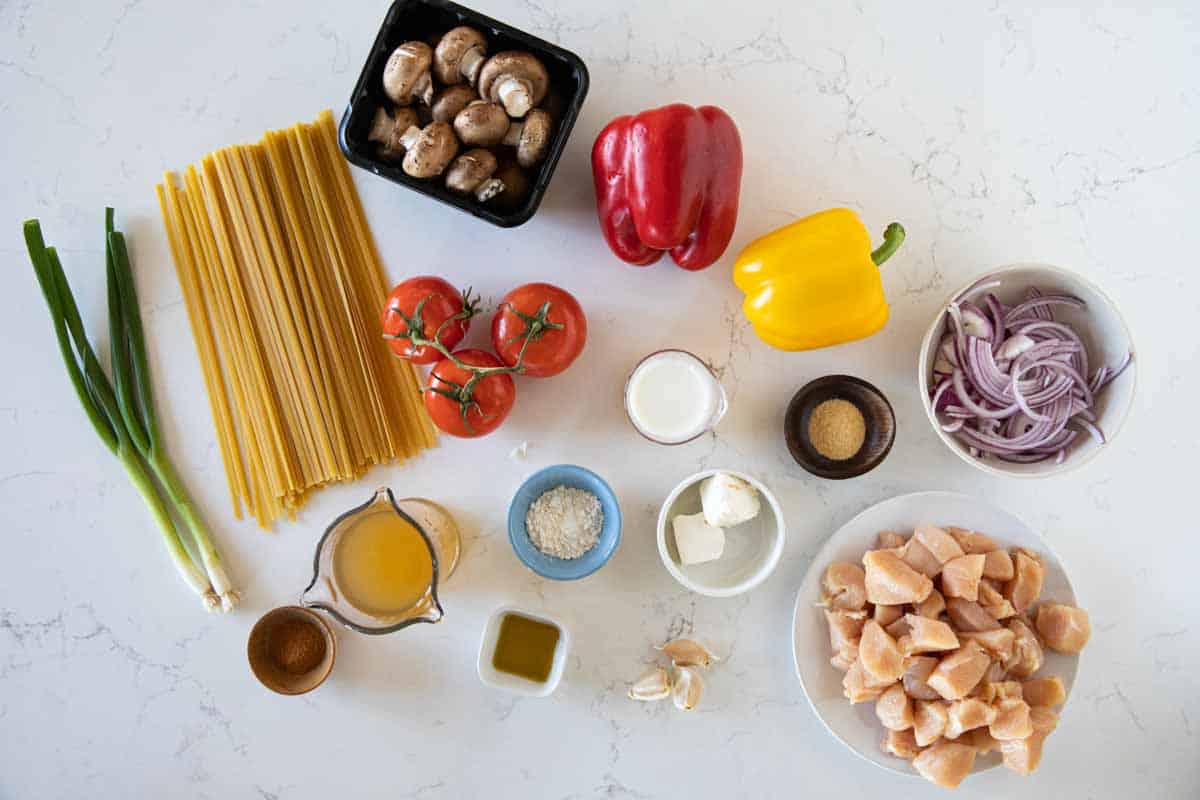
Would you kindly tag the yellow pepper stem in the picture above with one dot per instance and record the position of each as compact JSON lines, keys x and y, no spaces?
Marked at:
{"x":893,"y":237}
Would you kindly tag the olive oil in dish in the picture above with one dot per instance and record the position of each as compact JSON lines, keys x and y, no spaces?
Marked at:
{"x":382,"y":564}
{"x":525,"y":647}
{"x":673,"y":397}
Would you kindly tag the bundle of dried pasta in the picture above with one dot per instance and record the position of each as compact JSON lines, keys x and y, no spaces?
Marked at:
{"x":283,"y":286}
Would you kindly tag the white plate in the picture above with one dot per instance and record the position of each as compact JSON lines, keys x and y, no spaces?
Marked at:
{"x":857,"y":726}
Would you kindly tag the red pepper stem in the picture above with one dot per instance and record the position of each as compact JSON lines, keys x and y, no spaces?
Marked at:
{"x":893,"y":237}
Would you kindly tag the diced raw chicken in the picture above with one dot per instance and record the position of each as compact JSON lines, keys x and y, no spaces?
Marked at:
{"x":993,"y":602}
{"x":1063,"y":628}
{"x":1023,"y":755}
{"x":886,"y":615}
{"x":894,"y":709}
{"x":972,"y":542}
{"x":967,"y":714}
{"x":929,"y":721}
{"x":901,"y":744}
{"x":917,"y":556}
{"x":946,"y":763}
{"x":916,"y":671}
{"x":844,"y":626}
{"x":1044,"y":691}
{"x":998,"y":565}
{"x":1027,"y":650}
{"x":958,"y":673}
{"x":995,"y":673}
{"x":859,"y":686}
{"x":938,"y":542}
{"x":994,"y":691}
{"x":999,"y":643}
{"x":960,"y":577}
{"x":897,"y":629}
{"x":886,"y":540}
{"x":879,"y":654}
{"x":845,"y":656}
{"x":843,"y":586}
{"x":981,"y":740}
{"x":1012,"y":720}
{"x":967,"y":615}
{"x":1023,"y":590}
{"x":932,"y":606}
{"x":891,"y":582}
{"x":927,"y":636}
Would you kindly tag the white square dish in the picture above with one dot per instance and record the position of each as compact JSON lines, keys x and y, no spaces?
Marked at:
{"x":512,"y":683}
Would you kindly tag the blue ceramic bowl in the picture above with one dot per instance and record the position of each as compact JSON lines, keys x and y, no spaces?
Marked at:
{"x":561,"y":569}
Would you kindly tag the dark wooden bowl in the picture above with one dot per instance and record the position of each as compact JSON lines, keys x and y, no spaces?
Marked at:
{"x":877,"y":413}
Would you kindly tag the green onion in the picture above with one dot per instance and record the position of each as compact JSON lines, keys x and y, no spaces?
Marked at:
{"x":122,"y":412}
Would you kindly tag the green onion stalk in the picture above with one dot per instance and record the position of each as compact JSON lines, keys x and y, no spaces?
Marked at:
{"x":122,"y":411}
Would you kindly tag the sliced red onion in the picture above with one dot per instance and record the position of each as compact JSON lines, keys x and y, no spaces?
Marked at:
{"x":960,"y":388}
{"x":1014,"y":346}
{"x":974,"y":322}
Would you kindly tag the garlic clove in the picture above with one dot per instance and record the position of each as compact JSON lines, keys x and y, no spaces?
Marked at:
{"x":686,"y":691}
{"x":688,"y":653}
{"x":654,"y":685}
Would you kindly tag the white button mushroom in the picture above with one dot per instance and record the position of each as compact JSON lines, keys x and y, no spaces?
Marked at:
{"x":531,"y":137}
{"x":428,"y":149}
{"x":459,"y":55}
{"x":406,"y":74}
{"x":451,"y":100}
{"x":471,"y":173}
{"x":481,"y":124}
{"x":516,"y":80}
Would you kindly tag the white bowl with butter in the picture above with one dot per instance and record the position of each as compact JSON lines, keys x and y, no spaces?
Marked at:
{"x":751,"y":549}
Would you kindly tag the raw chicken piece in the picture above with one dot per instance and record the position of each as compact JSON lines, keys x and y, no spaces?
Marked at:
{"x":932,"y":606}
{"x":894,"y":709}
{"x":960,"y":577}
{"x":972,"y":542}
{"x":994,"y":691}
{"x":1027,"y":650}
{"x":981,"y":740}
{"x":859,"y":686}
{"x":886,"y":615}
{"x":917,"y":556}
{"x":1044,"y":691}
{"x":999,"y":643}
{"x":995,"y":673}
{"x":845,"y":656}
{"x":946,"y":763}
{"x":993,"y":602}
{"x":959,"y":672}
{"x":1026,"y":584}
{"x":916,"y":671}
{"x":929,"y":721}
{"x":927,"y":635}
{"x":1012,"y":720}
{"x":998,"y":565}
{"x":967,"y":714}
{"x":843,"y":586}
{"x":901,"y":744}
{"x":897,"y":629}
{"x":1023,"y":755}
{"x":1063,"y":628}
{"x":891,"y":582}
{"x":879,"y":654}
{"x":938,"y":542}
{"x":969,"y":616}
{"x":844,"y":626}
{"x":886,"y":540}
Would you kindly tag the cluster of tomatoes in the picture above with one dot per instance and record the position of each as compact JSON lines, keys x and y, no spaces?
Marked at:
{"x":538,"y":330}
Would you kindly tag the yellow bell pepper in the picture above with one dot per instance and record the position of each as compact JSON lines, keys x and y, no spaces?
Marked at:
{"x":815,"y":282}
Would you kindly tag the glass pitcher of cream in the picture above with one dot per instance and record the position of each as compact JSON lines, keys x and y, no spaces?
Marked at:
{"x":377,"y":567}
{"x":673,"y":397}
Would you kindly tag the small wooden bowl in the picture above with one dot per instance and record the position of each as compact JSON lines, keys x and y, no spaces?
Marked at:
{"x":269,"y":673}
{"x":877,"y":414}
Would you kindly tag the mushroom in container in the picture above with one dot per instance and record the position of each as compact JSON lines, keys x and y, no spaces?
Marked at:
{"x":428,"y":150}
{"x":531,"y":137}
{"x":459,"y":56}
{"x":406,"y":75}
{"x":471,"y":173}
{"x":516,"y":80}
{"x":450,"y":101}
{"x":387,"y":130}
{"x":481,"y":124}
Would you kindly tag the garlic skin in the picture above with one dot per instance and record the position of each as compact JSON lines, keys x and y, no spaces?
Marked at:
{"x":688,"y":686}
{"x":653,"y":685}
{"x":688,"y":653}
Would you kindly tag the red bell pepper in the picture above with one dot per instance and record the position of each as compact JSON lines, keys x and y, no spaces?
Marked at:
{"x":668,"y":179}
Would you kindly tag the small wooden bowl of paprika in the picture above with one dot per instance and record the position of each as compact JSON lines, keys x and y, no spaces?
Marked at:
{"x":291,"y":650}
{"x":839,"y":427}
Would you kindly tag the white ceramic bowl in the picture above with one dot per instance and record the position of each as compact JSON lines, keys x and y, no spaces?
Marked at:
{"x":752,"y":549}
{"x":856,"y":726}
{"x":511,"y":683}
{"x":1104,"y":334}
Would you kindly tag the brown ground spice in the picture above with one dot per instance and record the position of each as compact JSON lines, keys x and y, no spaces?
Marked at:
{"x":837,"y":429}
{"x":296,"y":646}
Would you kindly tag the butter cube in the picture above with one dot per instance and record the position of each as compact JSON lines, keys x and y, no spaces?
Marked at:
{"x":696,"y":540}
{"x":728,"y":501}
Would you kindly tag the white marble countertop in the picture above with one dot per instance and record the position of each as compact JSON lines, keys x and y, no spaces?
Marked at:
{"x":996,"y":134}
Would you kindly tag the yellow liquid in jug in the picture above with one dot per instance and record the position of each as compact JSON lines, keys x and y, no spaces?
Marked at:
{"x":382,"y":565}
